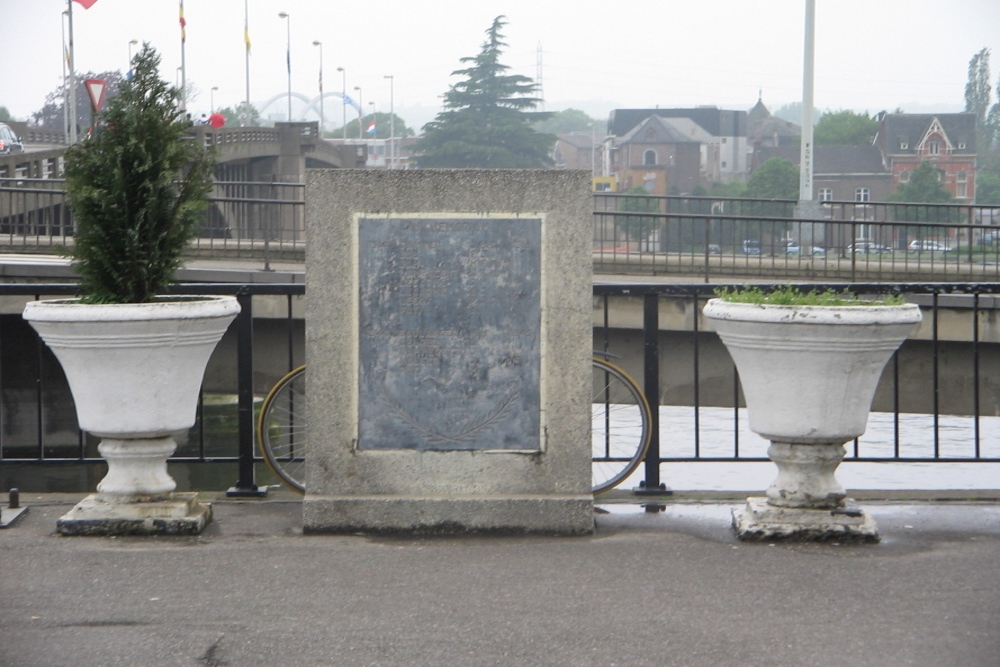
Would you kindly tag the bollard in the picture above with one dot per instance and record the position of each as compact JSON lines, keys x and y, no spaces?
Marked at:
{"x":13,"y":511}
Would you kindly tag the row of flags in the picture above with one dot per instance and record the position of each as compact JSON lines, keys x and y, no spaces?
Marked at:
{"x":87,"y":4}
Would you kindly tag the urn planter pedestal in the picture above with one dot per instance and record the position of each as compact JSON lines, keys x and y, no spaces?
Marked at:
{"x":809,"y":374}
{"x":135,"y":371}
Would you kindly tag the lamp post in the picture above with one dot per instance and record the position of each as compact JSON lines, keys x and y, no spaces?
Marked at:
{"x":212,"y":92}
{"x":360,"y":107}
{"x":288,"y":58}
{"x":322,"y":116}
{"x":343,"y":102}
{"x":130,"y":45}
{"x":392,"y":123}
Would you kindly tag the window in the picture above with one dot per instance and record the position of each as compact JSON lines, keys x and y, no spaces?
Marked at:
{"x":961,"y":145}
{"x":903,"y":145}
{"x":934,"y":147}
{"x":826,"y":194}
{"x":904,"y":177}
{"x":649,"y":157}
{"x":961,"y":185}
{"x":862,"y":194}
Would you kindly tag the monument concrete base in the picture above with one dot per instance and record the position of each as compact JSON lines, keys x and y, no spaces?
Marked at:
{"x":761,"y":521}
{"x":499,"y":514}
{"x":182,"y":514}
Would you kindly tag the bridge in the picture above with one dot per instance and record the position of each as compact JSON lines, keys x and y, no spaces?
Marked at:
{"x":252,"y":154}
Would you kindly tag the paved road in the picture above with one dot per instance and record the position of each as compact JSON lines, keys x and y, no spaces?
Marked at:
{"x":649,"y":588}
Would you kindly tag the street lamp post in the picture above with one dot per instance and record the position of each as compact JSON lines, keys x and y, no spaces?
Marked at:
{"x":214,"y":88}
{"x":392,"y":124}
{"x":288,"y":58}
{"x":130,"y":45}
{"x":343,"y":102}
{"x":322,"y":116}
{"x":360,"y":108}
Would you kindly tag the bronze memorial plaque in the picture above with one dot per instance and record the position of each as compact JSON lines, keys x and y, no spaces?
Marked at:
{"x":450,"y":320}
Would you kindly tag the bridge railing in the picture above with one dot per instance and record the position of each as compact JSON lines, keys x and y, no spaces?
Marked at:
{"x":712,"y":238}
{"x":937,"y":402}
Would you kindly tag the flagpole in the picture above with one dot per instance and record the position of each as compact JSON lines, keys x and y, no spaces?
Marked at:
{"x":246,"y":38}
{"x":183,"y":63}
{"x":71,"y":112}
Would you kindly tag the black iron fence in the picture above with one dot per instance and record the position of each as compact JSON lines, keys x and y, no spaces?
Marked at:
{"x":939,"y":399}
{"x":712,"y":238}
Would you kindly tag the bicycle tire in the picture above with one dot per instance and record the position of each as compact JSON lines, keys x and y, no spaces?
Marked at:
{"x":282,"y":431}
{"x":620,"y":426}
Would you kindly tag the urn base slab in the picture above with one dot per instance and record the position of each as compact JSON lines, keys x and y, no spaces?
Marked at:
{"x":758,"y":520}
{"x":181,"y":514}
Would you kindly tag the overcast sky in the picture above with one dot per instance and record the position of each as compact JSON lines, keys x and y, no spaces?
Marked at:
{"x":596,"y":56}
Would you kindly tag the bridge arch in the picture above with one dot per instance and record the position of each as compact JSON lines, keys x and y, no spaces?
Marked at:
{"x":311,"y":104}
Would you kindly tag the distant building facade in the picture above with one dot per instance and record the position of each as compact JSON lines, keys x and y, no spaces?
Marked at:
{"x":948,"y":141}
{"x":721,"y":135}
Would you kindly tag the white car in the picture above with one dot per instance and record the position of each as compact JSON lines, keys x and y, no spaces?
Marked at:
{"x":918,"y":245}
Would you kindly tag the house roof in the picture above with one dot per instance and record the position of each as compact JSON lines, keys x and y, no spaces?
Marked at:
{"x":909,"y":129}
{"x":717,"y":122}
{"x":663,"y":132}
{"x":577,"y":139}
{"x":831,"y":159}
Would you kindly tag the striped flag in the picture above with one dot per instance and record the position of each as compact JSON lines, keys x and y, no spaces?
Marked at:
{"x":371,"y":128}
{"x":183,"y":23}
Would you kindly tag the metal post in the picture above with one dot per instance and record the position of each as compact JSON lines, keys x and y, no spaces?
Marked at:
{"x":651,"y":485}
{"x":246,"y":486}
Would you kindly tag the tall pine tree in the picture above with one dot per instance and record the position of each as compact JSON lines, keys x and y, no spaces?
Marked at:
{"x":486,"y":122}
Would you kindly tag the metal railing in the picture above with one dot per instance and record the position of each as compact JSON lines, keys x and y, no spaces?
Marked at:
{"x":937,"y":399}
{"x":711,"y":238}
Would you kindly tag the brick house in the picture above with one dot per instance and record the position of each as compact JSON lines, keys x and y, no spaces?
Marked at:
{"x":948,"y":141}
{"x":655,"y":156}
{"x":721,"y":134}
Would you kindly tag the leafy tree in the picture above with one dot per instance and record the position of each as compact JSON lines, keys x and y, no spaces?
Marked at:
{"x":51,"y":115}
{"x":486,"y":122}
{"x":637,"y":227}
{"x":567,"y":120}
{"x":791,"y":112}
{"x":845,"y":128}
{"x":382,"y":127}
{"x":924,"y":186}
{"x":988,"y":189}
{"x":243,"y":115}
{"x":777,"y":178}
{"x":137,"y":190}
{"x":5,"y":114}
{"x":977,"y":88}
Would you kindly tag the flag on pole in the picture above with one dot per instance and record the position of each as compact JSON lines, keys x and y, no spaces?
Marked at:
{"x":321,"y":82}
{"x":371,"y":128}
{"x":87,"y":4}
{"x":69,"y":61}
{"x":183,"y":22}
{"x":246,"y":37}
{"x":288,"y":59}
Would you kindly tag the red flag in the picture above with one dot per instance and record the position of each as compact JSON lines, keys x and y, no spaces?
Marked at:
{"x":183,"y":22}
{"x":87,"y":4}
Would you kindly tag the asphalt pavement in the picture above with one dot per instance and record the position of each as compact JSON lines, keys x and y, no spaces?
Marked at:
{"x":663,"y":585}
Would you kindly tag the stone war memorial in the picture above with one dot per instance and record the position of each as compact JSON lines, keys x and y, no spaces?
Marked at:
{"x":448,"y":340}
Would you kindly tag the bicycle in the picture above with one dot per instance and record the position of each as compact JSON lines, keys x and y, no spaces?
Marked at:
{"x":620,"y":427}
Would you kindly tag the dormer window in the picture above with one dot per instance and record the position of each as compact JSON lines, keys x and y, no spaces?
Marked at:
{"x":903,"y":145}
{"x":961,"y":145}
{"x":933,"y":147}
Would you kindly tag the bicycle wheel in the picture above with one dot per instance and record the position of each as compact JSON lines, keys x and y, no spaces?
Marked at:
{"x":282,"y":431}
{"x":620,"y":423}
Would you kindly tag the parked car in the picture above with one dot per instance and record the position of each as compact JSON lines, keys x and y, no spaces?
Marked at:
{"x":751,"y":247}
{"x":9,"y":142}
{"x":867,"y":248}
{"x":793,"y":248}
{"x":922,"y":245}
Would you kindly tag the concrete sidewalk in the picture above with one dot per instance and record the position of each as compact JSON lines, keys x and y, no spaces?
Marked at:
{"x":671,"y":587}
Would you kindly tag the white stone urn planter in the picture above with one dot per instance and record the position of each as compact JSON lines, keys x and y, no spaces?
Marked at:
{"x":809,"y":375}
{"x":135,"y":371}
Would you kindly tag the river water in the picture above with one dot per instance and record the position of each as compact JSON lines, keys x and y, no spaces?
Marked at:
{"x":955,"y":438}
